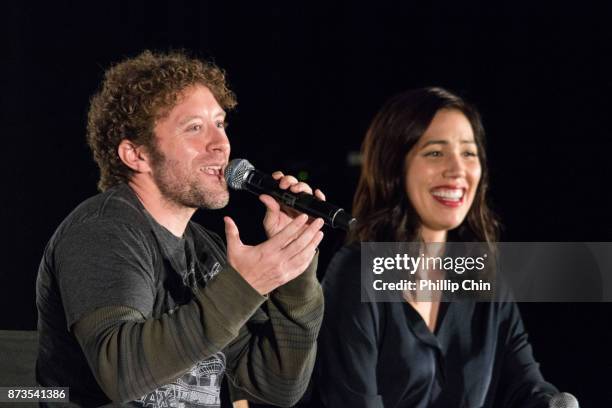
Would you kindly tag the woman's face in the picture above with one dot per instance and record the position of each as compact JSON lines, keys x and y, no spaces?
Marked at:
{"x":443,"y":171}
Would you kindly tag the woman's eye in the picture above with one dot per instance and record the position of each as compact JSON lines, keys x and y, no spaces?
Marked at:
{"x":470,"y":154}
{"x":434,"y":153}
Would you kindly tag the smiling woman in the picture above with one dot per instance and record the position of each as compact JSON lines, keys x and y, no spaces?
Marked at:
{"x":442,"y":175}
{"x":424,"y":179}
{"x":433,"y":131}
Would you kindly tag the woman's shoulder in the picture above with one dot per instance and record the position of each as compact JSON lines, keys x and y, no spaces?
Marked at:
{"x":344,"y":265}
{"x":345,"y":298}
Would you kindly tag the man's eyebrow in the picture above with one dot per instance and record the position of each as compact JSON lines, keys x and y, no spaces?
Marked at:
{"x":188,"y":118}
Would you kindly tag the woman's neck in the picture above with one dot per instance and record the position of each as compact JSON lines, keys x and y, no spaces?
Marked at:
{"x":428,"y":235}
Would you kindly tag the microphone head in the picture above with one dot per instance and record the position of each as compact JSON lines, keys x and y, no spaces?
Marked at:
{"x":236,"y":172}
{"x":563,"y":400}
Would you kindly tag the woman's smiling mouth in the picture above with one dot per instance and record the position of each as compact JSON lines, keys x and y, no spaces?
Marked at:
{"x":450,"y":197}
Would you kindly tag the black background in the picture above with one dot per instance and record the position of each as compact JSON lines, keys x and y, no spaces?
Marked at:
{"x":309,"y":78}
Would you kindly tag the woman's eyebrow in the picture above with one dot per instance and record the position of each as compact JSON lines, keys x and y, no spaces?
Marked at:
{"x":430,"y":142}
{"x":445,"y":142}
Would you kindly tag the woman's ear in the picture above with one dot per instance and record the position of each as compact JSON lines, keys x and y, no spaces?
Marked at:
{"x":135,"y":157}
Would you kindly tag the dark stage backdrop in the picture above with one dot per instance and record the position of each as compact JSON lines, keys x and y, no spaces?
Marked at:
{"x":309,"y":77}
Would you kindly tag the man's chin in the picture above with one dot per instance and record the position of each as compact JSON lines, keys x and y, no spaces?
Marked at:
{"x":200,"y":199}
{"x":214,"y":206}
{"x":214,"y":203}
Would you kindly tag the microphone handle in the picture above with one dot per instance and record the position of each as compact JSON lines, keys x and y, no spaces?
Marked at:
{"x":334,"y":216}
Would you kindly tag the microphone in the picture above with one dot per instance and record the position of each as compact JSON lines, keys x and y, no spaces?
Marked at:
{"x":563,"y":400}
{"x":241,"y":175}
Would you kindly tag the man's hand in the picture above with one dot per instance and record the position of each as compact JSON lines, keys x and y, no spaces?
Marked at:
{"x":279,"y":259}
{"x":278,"y":217}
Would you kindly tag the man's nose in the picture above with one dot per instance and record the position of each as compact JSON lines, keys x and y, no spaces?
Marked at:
{"x":219,"y":142}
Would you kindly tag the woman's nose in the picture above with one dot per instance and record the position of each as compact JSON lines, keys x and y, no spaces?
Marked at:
{"x":454,"y":166}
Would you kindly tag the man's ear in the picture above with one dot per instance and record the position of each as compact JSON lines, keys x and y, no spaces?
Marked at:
{"x":135,"y":157}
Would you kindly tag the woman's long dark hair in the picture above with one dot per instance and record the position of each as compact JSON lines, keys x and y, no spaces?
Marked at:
{"x":381,"y":205}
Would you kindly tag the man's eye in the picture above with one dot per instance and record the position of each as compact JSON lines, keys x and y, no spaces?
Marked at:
{"x":195,"y":128}
{"x":221,"y":124}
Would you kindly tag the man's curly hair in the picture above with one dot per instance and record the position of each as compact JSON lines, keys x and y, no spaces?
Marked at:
{"x":137,"y":92}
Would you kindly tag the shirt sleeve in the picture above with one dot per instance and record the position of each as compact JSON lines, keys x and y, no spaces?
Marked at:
{"x":348,"y":345}
{"x":521,"y":382}
{"x":106,"y":279}
{"x":100,"y":263}
{"x":130,"y":356}
{"x":272,"y":359}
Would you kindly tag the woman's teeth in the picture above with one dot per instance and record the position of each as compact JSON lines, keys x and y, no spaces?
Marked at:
{"x":454,"y":194}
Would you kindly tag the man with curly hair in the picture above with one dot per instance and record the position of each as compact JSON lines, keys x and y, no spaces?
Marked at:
{"x":141,"y":306}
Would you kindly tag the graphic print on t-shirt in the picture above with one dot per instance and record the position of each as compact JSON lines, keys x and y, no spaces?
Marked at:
{"x":198,"y":388}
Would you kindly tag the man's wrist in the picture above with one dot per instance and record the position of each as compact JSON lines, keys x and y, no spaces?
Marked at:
{"x":306,"y":285}
{"x":232,"y":296}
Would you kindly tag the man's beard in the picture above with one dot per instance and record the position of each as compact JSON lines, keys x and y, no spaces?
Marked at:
{"x":186,"y":189}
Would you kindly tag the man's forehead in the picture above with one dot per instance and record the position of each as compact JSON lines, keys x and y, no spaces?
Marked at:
{"x":193,"y":101}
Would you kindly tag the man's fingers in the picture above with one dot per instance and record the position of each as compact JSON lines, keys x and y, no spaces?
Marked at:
{"x":279,"y":240}
{"x":301,"y":187}
{"x":269,"y":202}
{"x":302,"y":259}
{"x":297,"y":234}
{"x":231,"y":232}
{"x":319,"y":194}
{"x":304,"y":238}
{"x":287,"y":181}
{"x":291,"y":183}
